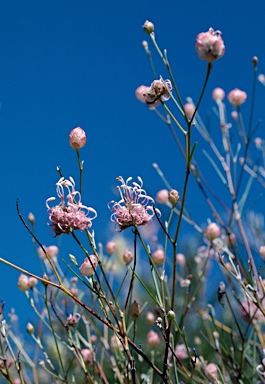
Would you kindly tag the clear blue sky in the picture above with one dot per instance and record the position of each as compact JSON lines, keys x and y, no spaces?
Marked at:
{"x":69,"y":63}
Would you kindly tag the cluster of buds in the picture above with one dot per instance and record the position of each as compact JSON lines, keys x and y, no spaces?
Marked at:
{"x":25,"y":282}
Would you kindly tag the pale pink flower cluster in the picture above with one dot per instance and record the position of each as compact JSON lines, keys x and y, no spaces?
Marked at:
{"x":133,"y":208}
{"x":212,"y":231}
{"x":210,"y":45}
{"x":218,"y":94}
{"x":70,"y":214}
{"x":152,"y":339}
{"x":25,"y":282}
{"x":157,"y":92}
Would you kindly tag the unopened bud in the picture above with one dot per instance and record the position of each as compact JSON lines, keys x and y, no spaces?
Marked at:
{"x":173,"y":197}
{"x":171,"y":315}
{"x":30,"y":328}
{"x":31,"y":218}
{"x":150,"y":318}
{"x":162,"y":196}
{"x":111,"y":247}
{"x":77,"y":138}
{"x":158,"y":256}
{"x":148,"y":27}
{"x":135,"y":310}
{"x":212,"y":232}
{"x":127,"y":256}
{"x":152,"y":339}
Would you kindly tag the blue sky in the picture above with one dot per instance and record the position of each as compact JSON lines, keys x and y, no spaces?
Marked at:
{"x":77,"y":63}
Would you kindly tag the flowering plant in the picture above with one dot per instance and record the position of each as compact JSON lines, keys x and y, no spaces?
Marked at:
{"x":141,"y":310}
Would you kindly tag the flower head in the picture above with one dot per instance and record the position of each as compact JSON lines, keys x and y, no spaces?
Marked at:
{"x":210,"y":45}
{"x":218,"y":94}
{"x":157,"y":92}
{"x":70,"y":214}
{"x":237,"y":97}
{"x":77,"y":138}
{"x":133,"y":208}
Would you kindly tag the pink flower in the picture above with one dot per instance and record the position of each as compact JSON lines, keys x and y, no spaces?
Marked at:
{"x":150,"y":318}
{"x":52,"y":251}
{"x":77,"y":138}
{"x":140,"y":91}
{"x":212,"y":231}
{"x":189,"y":109}
{"x":162,"y":196}
{"x":127,"y":256}
{"x":181,"y":352}
{"x":237,"y":97}
{"x":210,"y":45}
{"x":218,"y":94}
{"x":132,"y":209}
{"x":72,"y":214}
{"x":111,"y":247}
{"x":23,"y":283}
{"x":88,"y":357}
{"x":152,"y":339}
{"x":158,"y":256}
{"x":157,"y":92}
{"x":89,"y":265}
{"x":211,"y":372}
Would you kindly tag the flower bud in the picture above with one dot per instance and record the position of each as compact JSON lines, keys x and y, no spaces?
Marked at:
{"x":111,"y":247}
{"x":173,"y":197}
{"x":30,"y":328}
{"x":261,"y":78}
{"x":148,"y":27}
{"x":262,"y":251}
{"x":86,"y":268}
{"x":181,"y":352}
{"x":234,"y":115}
{"x":189,"y":109}
{"x":115,"y":343}
{"x":162,"y":196}
{"x":23,"y":283}
{"x":212,"y":232}
{"x":140,"y":91}
{"x":158,"y":256}
{"x":211,"y":372}
{"x":77,"y":138}
{"x":171,"y":315}
{"x":127,"y":256}
{"x":52,"y":251}
{"x":88,"y":357}
{"x":237,"y":97}
{"x":135,"y":310}
{"x":258,"y":143}
{"x":181,"y":259}
{"x":218,"y":94}
{"x":31,"y":218}
{"x":152,"y":339}
{"x":41,"y":253}
{"x":32,"y":282}
{"x":210,"y":45}
{"x":150,"y":318}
